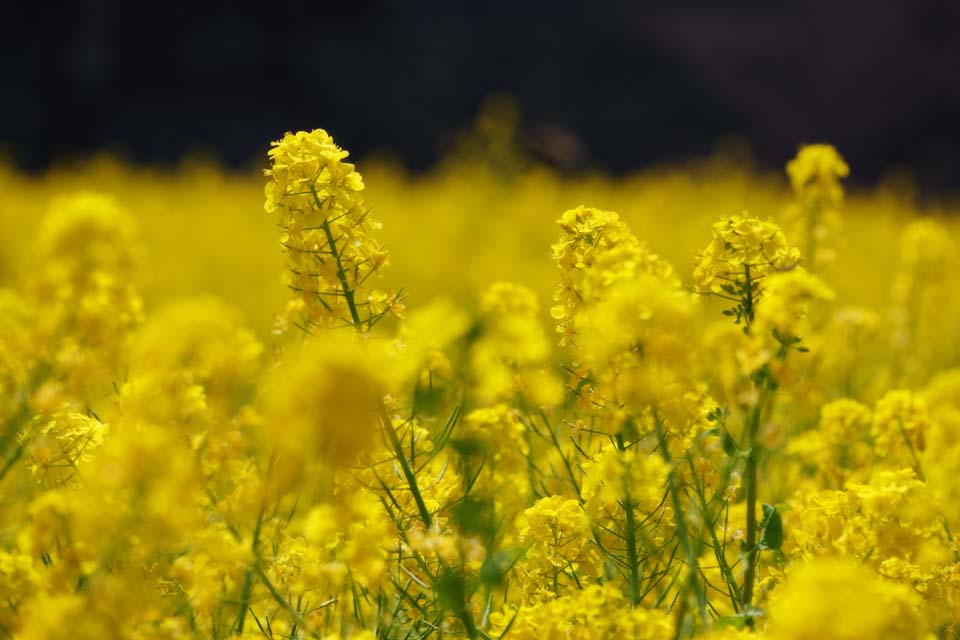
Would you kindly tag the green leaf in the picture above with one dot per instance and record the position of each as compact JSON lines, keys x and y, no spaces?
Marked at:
{"x":772,"y":538}
{"x":496,"y":566}
{"x":736,"y":621}
{"x":740,"y":620}
{"x":451,"y":590}
{"x":468,"y":447}
{"x":729,"y":445}
{"x":474,"y":516}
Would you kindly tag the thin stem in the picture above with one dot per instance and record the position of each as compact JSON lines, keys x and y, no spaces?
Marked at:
{"x":408,"y":474}
{"x":348,"y":292}
{"x":248,"y":579}
{"x":750,"y":481}
{"x":682,"y":534}
{"x":633,"y":562}
{"x":295,"y":615}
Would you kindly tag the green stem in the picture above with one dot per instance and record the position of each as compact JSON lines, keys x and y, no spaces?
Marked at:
{"x":563,"y":456}
{"x":408,"y":473}
{"x":733,"y":589}
{"x":750,"y":485}
{"x":348,"y":292}
{"x":295,"y":615}
{"x":247,"y":591}
{"x":633,"y":561}
{"x":682,"y":534}
{"x":913,"y":452}
{"x":11,"y":460}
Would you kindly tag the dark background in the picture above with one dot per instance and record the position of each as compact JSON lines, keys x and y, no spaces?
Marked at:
{"x":629,"y":85}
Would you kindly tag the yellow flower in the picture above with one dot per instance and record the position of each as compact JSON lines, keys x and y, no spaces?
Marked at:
{"x":837,"y":599}
{"x":900,"y":423}
{"x":58,"y":445}
{"x":815,"y":174}
{"x":595,"y":250}
{"x":327,"y":234}
{"x":616,"y":476}
{"x":786,"y":296}
{"x":323,"y":405}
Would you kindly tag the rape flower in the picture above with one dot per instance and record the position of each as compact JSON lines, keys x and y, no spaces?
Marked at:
{"x":815,"y":173}
{"x":58,"y":445}
{"x":559,"y":554}
{"x":595,"y":249}
{"x":323,"y":405}
{"x":743,"y":251}
{"x":900,"y":422}
{"x":615,"y":477}
{"x":785,"y":301}
{"x":839,"y":599}
{"x":327,"y":234}
{"x":595,"y":612}
{"x":510,"y":356}
{"x":87,"y":250}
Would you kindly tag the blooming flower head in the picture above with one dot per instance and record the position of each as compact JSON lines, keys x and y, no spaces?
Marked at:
{"x":308,"y":164}
{"x":784,"y":304}
{"x":327,"y":235}
{"x":617,"y":476}
{"x":742,"y":243}
{"x":596,"y":249}
{"x":841,"y":599}
{"x":57,"y":445}
{"x":815,"y":174}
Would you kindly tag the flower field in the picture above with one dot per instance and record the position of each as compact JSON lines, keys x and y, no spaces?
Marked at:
{"x":494,"y":400}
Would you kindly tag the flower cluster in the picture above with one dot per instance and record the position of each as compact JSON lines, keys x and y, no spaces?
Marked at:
{"x":782,"y":467}
{"x":327,"y":233}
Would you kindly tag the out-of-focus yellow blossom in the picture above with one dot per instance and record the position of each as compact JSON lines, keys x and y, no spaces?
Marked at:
{"x":850,"y":334}
{"x":839,"y":599}
{"x":322,"y":406}
{"x":595,"y":612}
{"x":57,"y":446}
{"x":427,"y":331}
{"x":206,"y":340}
{"x":18,"y":579}
{"x":616,"y":477}
{"x":900,"y":423}
{"x":920,"y":299}
{"x":87,"y":250}
{"x":838,"y":446}
{"x":498,"y":434}
{"x":509,"y":359}
{"x":785,"y":300}
{"x":815,"y":175}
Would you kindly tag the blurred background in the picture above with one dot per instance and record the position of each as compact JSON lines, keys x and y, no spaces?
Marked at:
{"x":612,"y":86}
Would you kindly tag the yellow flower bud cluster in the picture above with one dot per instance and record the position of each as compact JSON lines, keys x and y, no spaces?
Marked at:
{"x":814,"y":216}
{"x":327,"y":234}
{"x":595,"y":250}
{"x":742,"y":246}
{"x":815,"y":174}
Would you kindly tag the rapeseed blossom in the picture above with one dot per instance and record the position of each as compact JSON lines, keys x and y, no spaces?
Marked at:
{"x":730,"y":440}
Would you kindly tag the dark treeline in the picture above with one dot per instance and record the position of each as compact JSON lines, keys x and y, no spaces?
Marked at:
{"x":614,"y":85}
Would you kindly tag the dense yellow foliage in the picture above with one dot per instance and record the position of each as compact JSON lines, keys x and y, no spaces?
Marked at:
{"x":696,"y":400}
